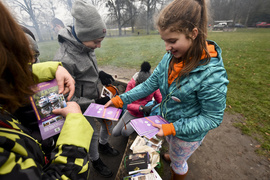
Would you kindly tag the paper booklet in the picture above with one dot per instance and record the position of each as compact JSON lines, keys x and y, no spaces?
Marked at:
{"x":43,"y":102}
{"x":143,"y":126}
{"x":106,"y":92}
{"x":98,"y":111}
{"x":153,"y":175}
{"x":154,"y":142}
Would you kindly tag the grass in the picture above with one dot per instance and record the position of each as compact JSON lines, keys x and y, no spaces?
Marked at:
{"x":246,"y":58}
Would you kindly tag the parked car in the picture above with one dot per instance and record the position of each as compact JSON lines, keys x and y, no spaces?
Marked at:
{"x":262,"y":24}
{"x":219,"y":26}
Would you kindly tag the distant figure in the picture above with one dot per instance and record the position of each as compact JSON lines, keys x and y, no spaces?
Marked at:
{"x":33,"y":44}
{"x":57,"y":24}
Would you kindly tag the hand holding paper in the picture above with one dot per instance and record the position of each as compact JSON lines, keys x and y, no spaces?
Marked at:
{"x":159,"y":126}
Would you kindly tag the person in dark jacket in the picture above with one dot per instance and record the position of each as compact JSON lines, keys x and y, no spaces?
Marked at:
{"x":21,"y":155}
{"x":77,"y":46}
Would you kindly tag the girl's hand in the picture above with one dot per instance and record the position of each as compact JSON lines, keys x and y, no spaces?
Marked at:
{"x":159,"y":126}
{"x":72,"y":107}
{"x":109,"y":103}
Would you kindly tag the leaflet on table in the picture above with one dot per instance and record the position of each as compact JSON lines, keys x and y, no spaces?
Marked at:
{"x":137,"y":162}
{"x":99,"y":111}
{"x":153,"y":175}
{"x":143,"y":126}
{"x":154,"y":142}
{"x":43,"y":102}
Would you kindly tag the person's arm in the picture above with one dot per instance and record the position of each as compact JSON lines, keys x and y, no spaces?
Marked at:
{"x":49,"y":70}
{"x":132,"y":106}
{"x":212,"y":97}
{"x":140,"y":91}
{"x":45,"y":71}
{"x":131,"y":84}
{"x":21,"y":155}
{"x":158,"y":96}
{"x":70,"y":157}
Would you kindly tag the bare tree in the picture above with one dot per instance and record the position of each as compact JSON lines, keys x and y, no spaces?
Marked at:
{"x":151,"y":8}
{"x":99,"y":4}
{"x":118,"y":10}
{"x":32,"y":10}
{"x":67,"y":3}
{"x":132,"y":13}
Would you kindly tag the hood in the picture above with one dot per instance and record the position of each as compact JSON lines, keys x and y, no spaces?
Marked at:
{"x":65,"y":35}
{"x":215,"y":53}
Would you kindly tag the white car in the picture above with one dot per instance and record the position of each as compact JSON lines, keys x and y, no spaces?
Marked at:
{"x":43,"y":101}
{"x":53,"y":97}
{"x":46,"y":110}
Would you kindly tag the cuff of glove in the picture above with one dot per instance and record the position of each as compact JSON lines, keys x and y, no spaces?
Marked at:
{"x":117,"y":102}
{"x":168,"y":129}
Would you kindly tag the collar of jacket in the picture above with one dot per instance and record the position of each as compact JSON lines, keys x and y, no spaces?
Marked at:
{"x":215,"y":61}
{"x":74,"y":34}
{"x":68,"y":37}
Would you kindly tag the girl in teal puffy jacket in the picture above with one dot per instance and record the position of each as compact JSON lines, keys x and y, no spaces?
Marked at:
{"x":191,"y":78}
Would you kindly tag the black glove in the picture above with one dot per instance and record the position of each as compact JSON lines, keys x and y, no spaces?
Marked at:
{"x":146,"y":109}
{"x":103,"y":100}
{"x":105,"y":78}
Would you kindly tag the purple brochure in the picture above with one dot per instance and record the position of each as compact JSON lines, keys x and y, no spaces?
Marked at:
{"x":43,"y":102}
{"x":98,"y":111}
{"x":143,"y":126}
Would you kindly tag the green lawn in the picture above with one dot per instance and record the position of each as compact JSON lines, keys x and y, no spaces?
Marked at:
{"x":246,"y":58}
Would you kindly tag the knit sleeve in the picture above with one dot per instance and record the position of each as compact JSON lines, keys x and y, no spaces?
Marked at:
{"x":168,"y":129}
{"x":117,"y":102}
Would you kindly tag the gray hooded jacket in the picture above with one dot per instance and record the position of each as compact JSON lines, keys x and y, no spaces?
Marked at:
{"x":81,"y":63}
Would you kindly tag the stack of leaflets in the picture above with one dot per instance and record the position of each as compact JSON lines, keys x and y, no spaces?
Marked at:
{"x":154,"y":142}
{"x":137,"y":162}
{"x":43,"y":102}
{"x":99,"y":111}
{"x":143,"y":126}
{"x":153,"y":175}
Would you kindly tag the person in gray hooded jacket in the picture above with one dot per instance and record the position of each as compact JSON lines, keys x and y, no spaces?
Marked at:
{"x":77,"y":45}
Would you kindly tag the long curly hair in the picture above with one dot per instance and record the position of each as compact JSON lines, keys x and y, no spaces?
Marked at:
{"x":16,"y":79}
{"x":183,"y":16}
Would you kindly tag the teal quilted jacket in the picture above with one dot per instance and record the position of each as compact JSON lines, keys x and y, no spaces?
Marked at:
{"x":195,"y":107}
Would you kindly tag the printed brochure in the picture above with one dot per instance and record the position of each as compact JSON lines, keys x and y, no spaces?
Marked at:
{"x":106,"y":92}
{"x":43,"y":102}
{"x":154,"y":142}
{"x":137,"y":162}
{"x":99,"y":111}
{"x":143,"y":126}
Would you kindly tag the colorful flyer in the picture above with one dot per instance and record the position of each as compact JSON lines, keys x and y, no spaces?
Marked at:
{"x":143,"y":126}
{"x":99,"y":111}
{"x":44,"y":101}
